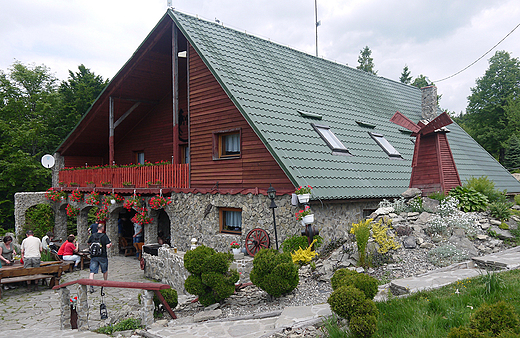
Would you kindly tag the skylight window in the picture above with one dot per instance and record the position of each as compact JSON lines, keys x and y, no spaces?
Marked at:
{"x":385,"y":145}
{"x":332,"y":140}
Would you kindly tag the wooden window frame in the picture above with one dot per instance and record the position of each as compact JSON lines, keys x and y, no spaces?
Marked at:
{"x":222,"y":221}
{"x":218,"y":145}
{"x":137,"y":156}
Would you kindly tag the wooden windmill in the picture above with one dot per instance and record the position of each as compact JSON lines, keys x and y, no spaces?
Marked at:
{"x":433,"y":167}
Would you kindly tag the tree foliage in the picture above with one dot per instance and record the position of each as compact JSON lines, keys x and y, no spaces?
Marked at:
{"x":36,"y":114}
{"x":421,"y":81}
{"x":366,"y":62}
{"x":512,"y":154}
{"x":493,"y":109}
{"x":406,"y":76}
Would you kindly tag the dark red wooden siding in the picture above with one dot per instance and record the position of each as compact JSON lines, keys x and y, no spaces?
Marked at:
{"x":451,"y":177}
{"x":212,"y":111}
{"x":426,"y":174}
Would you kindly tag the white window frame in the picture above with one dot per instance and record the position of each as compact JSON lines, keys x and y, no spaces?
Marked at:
{"x":331,"y":139}
{"x":385,"y":145}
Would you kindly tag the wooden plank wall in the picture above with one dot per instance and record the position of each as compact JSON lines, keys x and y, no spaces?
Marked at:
{"x":211,"y":111}
{"x":427,"y":172}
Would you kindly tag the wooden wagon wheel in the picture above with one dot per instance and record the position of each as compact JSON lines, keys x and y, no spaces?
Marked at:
{"x":256,"y":239}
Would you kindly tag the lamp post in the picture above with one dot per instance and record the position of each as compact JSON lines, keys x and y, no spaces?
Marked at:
{"x":271,"y":193}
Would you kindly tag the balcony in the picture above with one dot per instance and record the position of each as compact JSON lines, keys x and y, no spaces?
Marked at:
{"x":170,"y":176}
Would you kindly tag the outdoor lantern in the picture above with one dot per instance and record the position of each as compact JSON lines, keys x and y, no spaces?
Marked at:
{"x":271,"y":193}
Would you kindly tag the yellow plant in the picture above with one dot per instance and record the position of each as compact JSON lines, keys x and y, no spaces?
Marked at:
{"x":304,"y":256}
{"x":380,"y":235}
{"x":360,"y":225}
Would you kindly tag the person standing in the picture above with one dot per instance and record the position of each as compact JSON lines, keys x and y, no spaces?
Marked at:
{"x":138,"y":237}
{"x":102,"y":260}
{"x":47,"y":239}
{"x":31,"y":252}
{"x":7,"y":250}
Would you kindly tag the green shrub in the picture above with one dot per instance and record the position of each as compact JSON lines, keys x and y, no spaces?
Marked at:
{"x":274,"y":272}
{"x":496,"y":317}
{"x":486,"y":187}
{"x":336,"y":280}
{"x":416,"y":204}
{"x":345,"y":301}
{"x":500,"y":210}
{"x":210,"y":279}
{"x":362,"y":232}
{"x":363,"y":282}
{"x":446,"y":255}
{"x":39,"y":219}
{"x":169,"y":295}
{"x":291,"y":244}
{"x":466,"y":332}
{"x":517,"y":199}
{"x":127,"y":324}
{"x":469,"y":199}
{"x":363,"y":326}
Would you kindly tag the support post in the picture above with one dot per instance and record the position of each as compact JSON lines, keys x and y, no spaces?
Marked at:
{"x":111,"y":130}
{"x":175,"y":88}
{"x":65,"y":309}
{"x":82,"y":308}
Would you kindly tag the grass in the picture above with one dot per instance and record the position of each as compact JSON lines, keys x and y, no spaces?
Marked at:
{"x":433,"y":313}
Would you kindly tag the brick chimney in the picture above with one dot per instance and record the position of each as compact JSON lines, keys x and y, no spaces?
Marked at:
{"x":429,"y":103}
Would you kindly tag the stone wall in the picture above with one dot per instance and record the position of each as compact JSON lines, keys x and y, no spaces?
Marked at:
{"x":167,"y":267}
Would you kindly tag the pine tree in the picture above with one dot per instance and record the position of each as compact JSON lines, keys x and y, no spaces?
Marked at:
{"x":512,"y":155}
{"x":366,"y":63}
{"x":405,"y":78}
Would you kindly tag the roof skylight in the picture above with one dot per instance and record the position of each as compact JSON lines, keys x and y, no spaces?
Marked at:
{"x":332,"y":140}
{"x":385,"y":145}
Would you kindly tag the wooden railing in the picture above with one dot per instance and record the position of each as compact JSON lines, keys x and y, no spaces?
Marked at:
{"x":170,"y":175}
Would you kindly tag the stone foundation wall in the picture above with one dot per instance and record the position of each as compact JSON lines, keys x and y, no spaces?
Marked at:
{"x":167,"y":267}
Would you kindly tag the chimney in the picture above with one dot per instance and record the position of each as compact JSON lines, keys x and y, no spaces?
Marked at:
{"x":429,"y":103}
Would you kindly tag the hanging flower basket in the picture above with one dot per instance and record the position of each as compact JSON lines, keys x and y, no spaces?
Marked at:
{"x":76,"y":196}
{"x":114,"y":198}
{"x":141,"y":217}
{"x":102,"y":213}
{"x":304,"y":198}
{"x":55,"y":195}
{"x":106,"y":184}
{"x":307,"y":219}
{"x":159,"y":202}
{"x":93,"y":198}
{"x":72,"y":211}
{"x":128,"y":185}
{"x":302,"y":213}
{"x":133,"y":202}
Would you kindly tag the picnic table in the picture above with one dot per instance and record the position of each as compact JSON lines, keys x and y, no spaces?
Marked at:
{"x":17,"y":273}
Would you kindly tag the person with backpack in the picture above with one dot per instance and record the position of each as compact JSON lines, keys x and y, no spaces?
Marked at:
{"x":98,"y":245}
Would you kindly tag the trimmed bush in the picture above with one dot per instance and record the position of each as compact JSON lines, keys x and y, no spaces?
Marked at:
{"x":363,"y":282}
{"x":465,"y":332}
{"x":275,"y":273}
{"x":496,"y":318}
{"x":170,"y":296}
{"x":363,"y":326}
{"x":210,"y":279}
{"x":346,"y":300}
{"x":336,"y":280}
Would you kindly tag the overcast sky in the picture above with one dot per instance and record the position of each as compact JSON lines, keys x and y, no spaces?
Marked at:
{"x":436,"y":38}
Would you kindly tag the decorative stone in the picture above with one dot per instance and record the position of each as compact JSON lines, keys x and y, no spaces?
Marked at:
{"x":411,"y":192}
{"x":502,"y":234}
{"x":426,"y":245}
{"x":495,"y":222}
{"x":409,"y":242}
{"x":430,"y":204}
{"x":484,"y":226}
{"x":384,"y":211}
{"x":461,"y":242}
{"x":482,"y":237}
{"x":206,"y":315}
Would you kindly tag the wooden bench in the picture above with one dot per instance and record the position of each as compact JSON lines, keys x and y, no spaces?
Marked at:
{"x":51,"y":271}
{"x":70,"y":267}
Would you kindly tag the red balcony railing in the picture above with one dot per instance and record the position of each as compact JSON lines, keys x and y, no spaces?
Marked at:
{"x":170,"y":175}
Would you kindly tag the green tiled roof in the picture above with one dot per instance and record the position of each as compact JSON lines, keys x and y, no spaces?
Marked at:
{"x":269,"y":83}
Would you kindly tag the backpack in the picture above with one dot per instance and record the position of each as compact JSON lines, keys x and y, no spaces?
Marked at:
{"x":95,"y":248}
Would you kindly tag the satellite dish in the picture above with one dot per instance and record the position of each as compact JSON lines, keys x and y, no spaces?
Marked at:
{"x":48,"y":161}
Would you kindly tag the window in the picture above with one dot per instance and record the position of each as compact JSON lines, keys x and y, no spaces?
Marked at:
{"x":332,"y":141}
{"x":185,"y":154}
{"x":385,"y":145}
{"x":226,"y":144}
{"x":230,"y":220}
{"x":139,"y":158}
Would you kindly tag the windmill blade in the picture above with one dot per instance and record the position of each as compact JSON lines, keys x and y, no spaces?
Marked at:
{"x":405,"y":122}
{"x":440,"y":121}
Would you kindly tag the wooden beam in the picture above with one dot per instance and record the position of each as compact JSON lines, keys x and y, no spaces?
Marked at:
{"x":175,"y":80}
{"x":125,"y":115}
{"x":111,"y":130}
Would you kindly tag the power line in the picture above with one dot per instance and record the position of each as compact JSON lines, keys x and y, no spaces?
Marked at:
{"x":477,"y":60}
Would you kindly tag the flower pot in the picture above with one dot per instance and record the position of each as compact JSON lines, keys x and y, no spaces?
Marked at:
{"x":304,"y":198}
{"x":113,"y":201}
{"x":73,"y":184}
{"x":307,"y":219}
{"x":91,"y":185}
{"x":154,"y":185}
{"x":107,"y":185}
{"x":128,"y":185}
{"x":236,"y":251}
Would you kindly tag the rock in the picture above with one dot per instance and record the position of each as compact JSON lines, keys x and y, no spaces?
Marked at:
{"x":502,"y":234}
{"x":397,"y":219}
{"x":461,"y":242}
{"x":212,"y":307}
{"x":206,"y":315}
{"x":426,"y":245}
{"x":482,"y":237}
{"x":430,"y":204}
{"x":436,"y":238}
{"x":495,"y":222}
{"x":484,"y":226}
{"x":360,"y":269}
{"x":411,"y":192}
{"x":413,"y":214}
{"x":409,"y":242}
{"x":419,"y":240}
{"x":424,"y":217}
{"x":392,"y":215}
{"x":383,"y":211}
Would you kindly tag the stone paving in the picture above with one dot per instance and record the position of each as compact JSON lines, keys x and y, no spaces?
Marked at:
{"x":36,"y":314}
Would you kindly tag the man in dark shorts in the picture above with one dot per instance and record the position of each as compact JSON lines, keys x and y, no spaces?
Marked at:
{"x":99,"y":261}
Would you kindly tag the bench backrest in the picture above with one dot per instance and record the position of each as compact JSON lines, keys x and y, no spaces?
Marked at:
{"x":55,"y":268}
